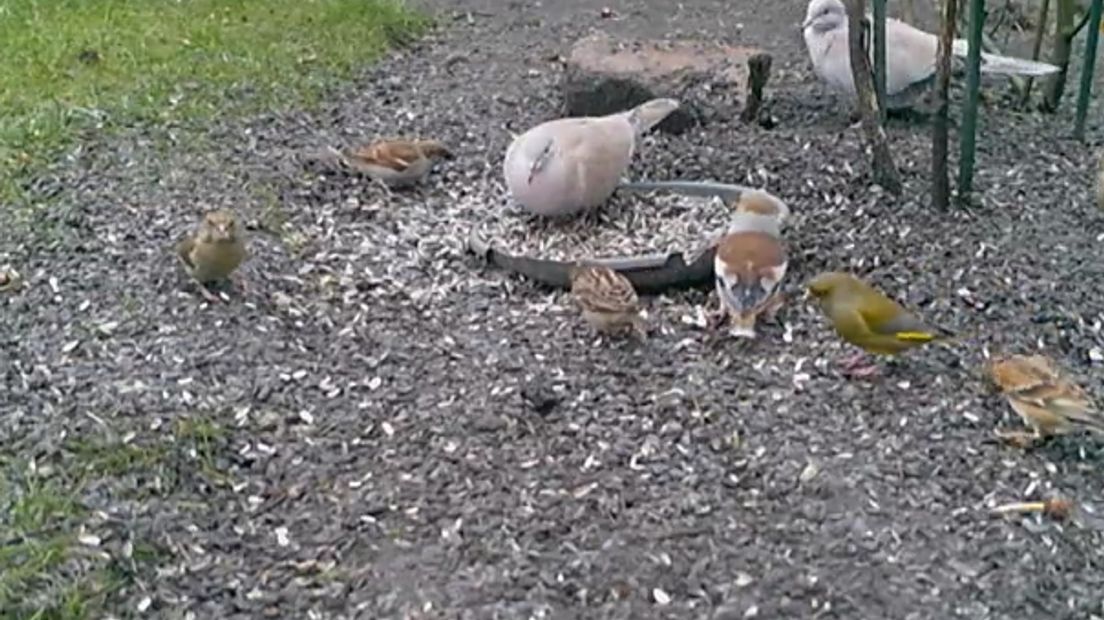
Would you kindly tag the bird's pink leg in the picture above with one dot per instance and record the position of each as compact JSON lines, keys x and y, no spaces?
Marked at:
{"x":852,"y":366}
{"x":207,"y":294}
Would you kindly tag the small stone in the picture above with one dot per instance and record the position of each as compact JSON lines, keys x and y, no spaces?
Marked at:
{"x":661,"y":597}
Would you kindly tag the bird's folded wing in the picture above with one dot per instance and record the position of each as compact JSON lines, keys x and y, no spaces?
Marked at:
{"x":598,"y":154}
{"x":891,"y":320}
{"x":606,"y":298}
{"x":184,"y":250}
{"x":910,"y":55}
{"x":395,"y":155}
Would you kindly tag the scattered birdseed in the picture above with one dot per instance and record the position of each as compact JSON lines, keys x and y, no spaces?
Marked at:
{"x":628,"y":225}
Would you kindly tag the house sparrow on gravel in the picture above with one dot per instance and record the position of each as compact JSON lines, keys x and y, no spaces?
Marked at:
{"x":9,"y":280}
{"x":1036,"y":389}
{"x":866,"y":318}
{"x":568,"y":165}
{"x":607,"y":299}
{"x":751,"y":261}
{"x":395,"y":163}
{"x":214,"y":251}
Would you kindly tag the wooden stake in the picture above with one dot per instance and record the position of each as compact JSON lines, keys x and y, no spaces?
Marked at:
{"x":967,"y":141}
{"x":1087,"y":71}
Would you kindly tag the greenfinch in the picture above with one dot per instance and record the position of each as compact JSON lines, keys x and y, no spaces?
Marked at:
{"x":1047,"y":401}
{"x":608,"y":301}
{"x":214,"y":251}
{"x":750,"y":262}
{"x":866,"y":318}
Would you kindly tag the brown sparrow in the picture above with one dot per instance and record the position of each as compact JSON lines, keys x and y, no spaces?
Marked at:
{"x":10,"y":280}
{"x":750,"y":262}
{"x":214,"y":251}
{"x":394,"y":162}
{"x":1048,"y":402}
{"x":607,"y":299}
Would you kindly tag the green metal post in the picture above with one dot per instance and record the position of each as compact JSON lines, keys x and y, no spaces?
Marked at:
{"x":880,"y":56}
{"x":968,"y":138}
{"x":1087,"y":71}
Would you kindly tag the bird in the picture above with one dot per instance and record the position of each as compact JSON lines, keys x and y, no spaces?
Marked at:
{"x":10,"y":279}
{"x":1048,"y":402}
{"x":865,"y":317}
{"x":607,"y":299}
{"x":910,"y":55}
{"x":395,"y":162}
{"x":568,"y":165}
{"x":214,"y":251}
{"x":751,"y":261}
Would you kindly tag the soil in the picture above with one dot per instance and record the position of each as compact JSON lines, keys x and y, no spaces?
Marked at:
{"x":409,"y":433}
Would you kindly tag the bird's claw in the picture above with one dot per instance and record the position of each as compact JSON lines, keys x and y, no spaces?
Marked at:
{"x":1019,"y":439}
{"x":208,"y":295}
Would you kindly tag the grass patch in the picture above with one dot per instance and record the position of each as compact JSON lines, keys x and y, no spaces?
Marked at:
{"x":47,"y":572}
{"x":72,"y":66}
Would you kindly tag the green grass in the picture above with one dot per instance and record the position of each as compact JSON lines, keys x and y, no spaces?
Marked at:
{"x":46,"y":571}
{"x":72,"y":66}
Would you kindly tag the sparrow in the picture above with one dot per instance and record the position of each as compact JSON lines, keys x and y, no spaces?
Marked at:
{"x":395,"y":162}
{"x":607,"y":299}
{"x":10,"y":280}
{"x":214,"y":251}
{"x":750,"y":262}
{"x":1047,"y":401}
{"x":568,"y":165}
{"x":866,"y":318}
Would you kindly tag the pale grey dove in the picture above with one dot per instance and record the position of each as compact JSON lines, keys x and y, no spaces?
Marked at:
{"x":567,"y":165}
{"x":910,"y":55}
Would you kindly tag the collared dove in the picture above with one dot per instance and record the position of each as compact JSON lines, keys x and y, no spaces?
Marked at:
{"x":566,"y":165}
{"x":910,"y":55}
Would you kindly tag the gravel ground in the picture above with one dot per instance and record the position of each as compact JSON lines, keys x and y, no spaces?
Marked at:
{"x":380,"y":426}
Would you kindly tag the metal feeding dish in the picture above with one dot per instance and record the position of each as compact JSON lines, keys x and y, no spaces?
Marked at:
{"x":649,"y":272}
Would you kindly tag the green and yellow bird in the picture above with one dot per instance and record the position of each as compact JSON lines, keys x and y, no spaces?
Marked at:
{"x":214,"y":251}
{"x":866,"y":318}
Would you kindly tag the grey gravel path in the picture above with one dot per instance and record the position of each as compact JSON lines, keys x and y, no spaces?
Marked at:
{"x":379,"y":426}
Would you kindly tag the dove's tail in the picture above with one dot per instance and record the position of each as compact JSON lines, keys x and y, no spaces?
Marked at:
{"x":650,"y":113}
{"x":1006,"y":65}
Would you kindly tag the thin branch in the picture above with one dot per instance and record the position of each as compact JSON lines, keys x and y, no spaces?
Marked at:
{"x":941,"y":183}
{"x":884,"y":169}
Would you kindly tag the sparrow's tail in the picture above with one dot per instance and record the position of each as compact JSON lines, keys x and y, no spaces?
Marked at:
{"x":1087,"y":418}
{"x":1006,"y":65}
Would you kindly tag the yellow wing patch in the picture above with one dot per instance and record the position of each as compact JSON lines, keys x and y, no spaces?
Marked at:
{"x":914,"y":336}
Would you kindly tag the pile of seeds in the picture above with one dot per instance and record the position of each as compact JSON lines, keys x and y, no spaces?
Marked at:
{"x":629,"y":224}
